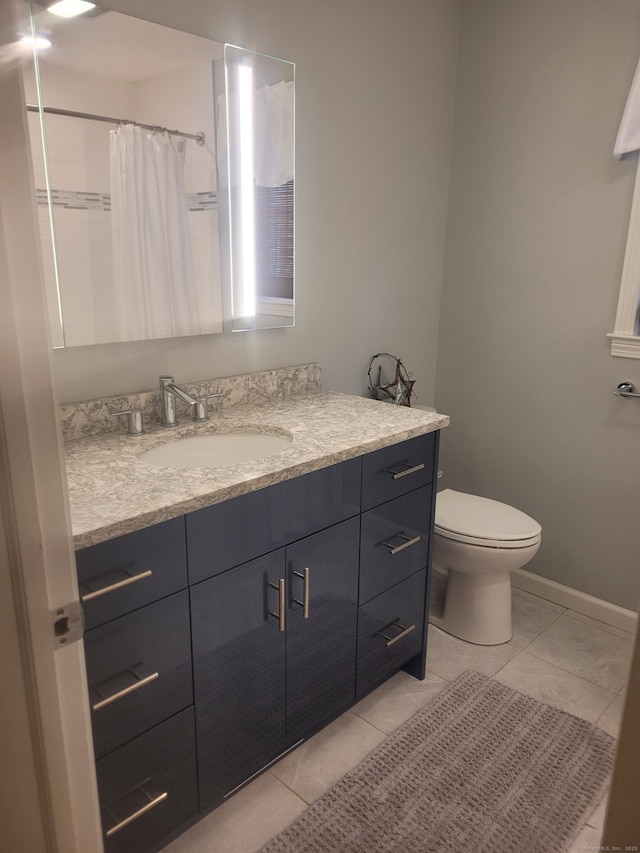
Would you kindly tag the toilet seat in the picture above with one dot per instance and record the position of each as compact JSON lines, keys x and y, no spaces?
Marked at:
{"x":482,"y":521}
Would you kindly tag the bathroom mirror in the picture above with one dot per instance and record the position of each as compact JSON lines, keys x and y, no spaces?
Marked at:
{"x":123,"y":119}
{"x":256,"y":165}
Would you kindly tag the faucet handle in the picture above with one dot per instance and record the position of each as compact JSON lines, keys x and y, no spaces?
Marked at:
{"x":135,"y":423}
{"x":201,"y":407}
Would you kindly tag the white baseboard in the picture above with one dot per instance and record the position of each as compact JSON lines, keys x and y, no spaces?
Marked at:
{"x":588,"y":605}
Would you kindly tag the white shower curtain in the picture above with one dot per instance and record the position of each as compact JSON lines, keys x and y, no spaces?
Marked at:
{"x":153,"y":262}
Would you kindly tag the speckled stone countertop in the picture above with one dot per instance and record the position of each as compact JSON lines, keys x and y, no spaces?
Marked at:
{"x":112,"y":493}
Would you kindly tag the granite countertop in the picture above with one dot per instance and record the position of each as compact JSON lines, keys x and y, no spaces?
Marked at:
{"x":112,"y":493}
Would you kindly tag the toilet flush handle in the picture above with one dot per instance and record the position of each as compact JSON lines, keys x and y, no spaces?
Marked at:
{"x":626,"y":389}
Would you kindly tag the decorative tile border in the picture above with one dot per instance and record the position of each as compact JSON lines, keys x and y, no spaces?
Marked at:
{"x":81,"y":200}
{"x":95,"y":417}
{"x":202,"y":201}
{"x":75,"y":200}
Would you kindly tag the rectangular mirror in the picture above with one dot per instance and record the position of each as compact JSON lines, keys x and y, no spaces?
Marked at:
{"x":123,"y":125}
{"x":256,"y":164}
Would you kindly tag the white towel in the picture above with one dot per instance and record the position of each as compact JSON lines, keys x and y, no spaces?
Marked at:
{"x":628,"y":138}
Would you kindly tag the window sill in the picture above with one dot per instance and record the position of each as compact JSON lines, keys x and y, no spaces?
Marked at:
{"x":626,"y":346}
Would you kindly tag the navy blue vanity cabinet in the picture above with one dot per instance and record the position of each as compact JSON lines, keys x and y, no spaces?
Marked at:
{"x":272,"y":574}
{"x":218,"y":641}
{"x":123,"y":574}
{"x":398,"y":469}
{"x":238,"y":530}
{"x":148,"y":787}
{"x":239,"y":674}
{"x":321,"y":627}
{"x":395,"y":541}
{"x":138,"y":670}
{"x":391,"y":631}
{"x":398,"y":492}
{"x":274,"y":653}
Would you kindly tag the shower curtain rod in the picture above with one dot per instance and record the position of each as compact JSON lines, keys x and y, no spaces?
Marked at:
{"x":199,"y":137}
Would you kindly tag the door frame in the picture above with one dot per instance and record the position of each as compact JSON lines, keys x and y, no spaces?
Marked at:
{"x":37,"y":566}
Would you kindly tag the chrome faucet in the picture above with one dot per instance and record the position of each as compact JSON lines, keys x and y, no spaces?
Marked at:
{"x":168,"y":391}
{"x":135,"y":422}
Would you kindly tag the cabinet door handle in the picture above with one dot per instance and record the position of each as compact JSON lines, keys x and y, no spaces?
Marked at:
{"x":406,"y":629}
{"x":280,"y":586}
{"x":152,"y":800}
{"x":405,"y":469}
{"x":305,"y":592}
{"x":101,"y":586}
{"x":138,"y":680}
{"x":408,"y":542}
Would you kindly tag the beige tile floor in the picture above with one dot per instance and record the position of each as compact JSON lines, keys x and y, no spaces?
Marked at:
{"x":558,"y":656}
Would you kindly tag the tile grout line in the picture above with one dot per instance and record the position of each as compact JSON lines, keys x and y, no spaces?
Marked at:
{"x":539,"y":634}
{"x":289,"y":788}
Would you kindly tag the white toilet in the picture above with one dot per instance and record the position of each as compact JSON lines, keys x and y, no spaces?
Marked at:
{"x":479,"y":542}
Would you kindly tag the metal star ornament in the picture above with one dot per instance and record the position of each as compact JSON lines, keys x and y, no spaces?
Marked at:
{"x":399,"y":390}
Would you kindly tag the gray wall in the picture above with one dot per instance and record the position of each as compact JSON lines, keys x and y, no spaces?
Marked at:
{"x":374,"y":86}
{"x":535,"y":238}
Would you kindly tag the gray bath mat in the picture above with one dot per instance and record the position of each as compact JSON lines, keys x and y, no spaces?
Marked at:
{"x":481,"y":768}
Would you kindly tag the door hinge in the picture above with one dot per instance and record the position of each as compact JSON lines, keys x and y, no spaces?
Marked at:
{"x":67,"y":623}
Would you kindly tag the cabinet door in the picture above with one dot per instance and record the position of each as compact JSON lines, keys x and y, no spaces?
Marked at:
{"x":239,"y":674}
{"x":321,"y":646}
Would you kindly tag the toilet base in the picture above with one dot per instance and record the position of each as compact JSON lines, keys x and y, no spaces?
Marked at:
{"x":477,"y":608}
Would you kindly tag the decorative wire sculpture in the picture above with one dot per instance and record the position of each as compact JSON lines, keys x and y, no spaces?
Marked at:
{"x":399,"y":389}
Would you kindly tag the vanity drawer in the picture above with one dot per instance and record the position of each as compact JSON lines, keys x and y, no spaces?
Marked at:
{"x":139,"y":671}
{"x":147,"y":788}
{"x":390,"y":631}
{"x":123,"y":574}
{"x":241,"y":529}
{"x":398,"y":469}
{"x":394,"y":542}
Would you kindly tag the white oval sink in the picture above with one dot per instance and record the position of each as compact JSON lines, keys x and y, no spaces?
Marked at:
{"x":215,"y":450}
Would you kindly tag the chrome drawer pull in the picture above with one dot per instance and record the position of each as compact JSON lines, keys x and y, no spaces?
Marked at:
{"x":280,"y":586}
{"x":138,"y":682}
{"x":406,"y":544}
{"x":152,"y":801}
{"x":409,"y":469}
{"x":305,"y":593}
{"x":103,"y":590}
{"x":403,"y":633}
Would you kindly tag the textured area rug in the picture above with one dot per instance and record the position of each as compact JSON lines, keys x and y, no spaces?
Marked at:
{"x":480,"y":769}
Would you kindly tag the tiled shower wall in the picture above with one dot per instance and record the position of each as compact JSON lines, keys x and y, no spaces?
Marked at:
{"x":78,"y":162}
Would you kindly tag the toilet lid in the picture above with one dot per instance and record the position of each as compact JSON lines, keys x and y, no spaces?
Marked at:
{"x":470,"y":518}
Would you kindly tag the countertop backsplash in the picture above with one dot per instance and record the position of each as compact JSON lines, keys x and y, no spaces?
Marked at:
{"x":90,"y":418}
